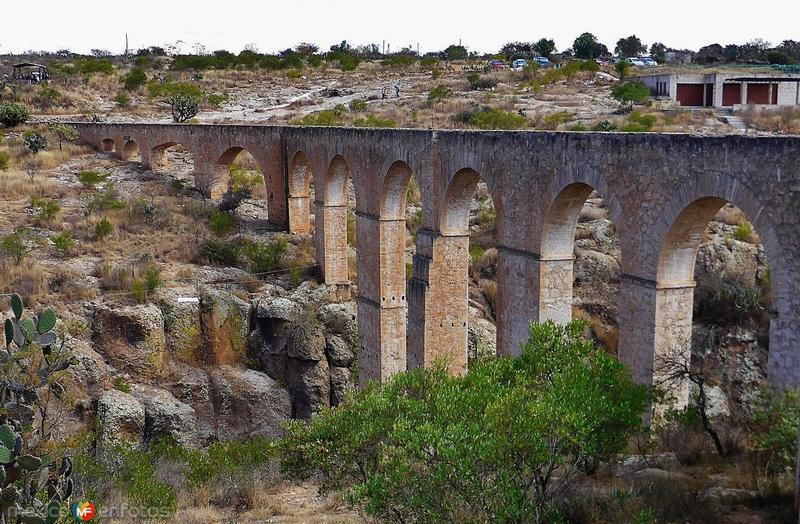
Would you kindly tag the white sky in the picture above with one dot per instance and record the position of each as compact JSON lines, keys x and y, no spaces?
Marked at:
{"x":482,"y":26}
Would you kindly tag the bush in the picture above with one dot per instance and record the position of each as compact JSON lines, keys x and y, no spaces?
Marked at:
{"x":122,"y":99}
{"x":12,"y":115}
{"x":90,"y":178}
{"x":744,"y":232}
{"x":106,"y":200}
{"x":491,"y":118}
{"x":605,"y":126}
{"x":242,"y":179}
{"x":63,"y":132}
{"x":90,"y":66}
{"x":503,"y":443}
{"x":135,"y":79}
{"x":639,"y":123}
{"x":477,"y":82}
{"x":774,"y":426}
{"x":221,"y":223}
{"x":183,"y":107}
{"x":439,"y":93}
{"x":103,"y":228}
{"x":63,"y":242}
{"x":47,"y":209}
{"x":553,"y":120}
{"x":219,"y":252}
{"x":358,"y":105}
{"x":264,"y":257}
{"x":328,"y":117}
{"x":630,"y":93}
{"x":35,"y":142}
{"x":13,"y":245}
{"x":375,"y":121}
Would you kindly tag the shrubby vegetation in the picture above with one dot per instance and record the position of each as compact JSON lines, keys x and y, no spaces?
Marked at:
{"x":501,"y":444}
{"x":12,"y":115}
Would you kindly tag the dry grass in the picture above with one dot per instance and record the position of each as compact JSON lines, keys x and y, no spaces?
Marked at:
{"x":29,"y":279}
{"x":776,"y":120}
{"x":729,"y":215}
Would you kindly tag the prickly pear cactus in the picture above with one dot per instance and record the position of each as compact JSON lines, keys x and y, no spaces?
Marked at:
{"x":33,"y":487}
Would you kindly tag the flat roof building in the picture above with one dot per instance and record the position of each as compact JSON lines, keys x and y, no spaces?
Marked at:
{"x":725,"y":89}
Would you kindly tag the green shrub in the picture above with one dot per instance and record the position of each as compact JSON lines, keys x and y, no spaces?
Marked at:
{"x":639,"y":123}
{"x":221,"y":223}
{"x":744,"y":232}
{"x":90,"y":178}
{"x":553,"y":120}
{"x":121,"y":385}
{"x":90,"y":66}
{"x":605,"y":126}
{"x":492,"y":118}
{"x":35,"y":142}
{"x":12,"y":115}
{"x":219,"y":252}
{"x":502,"y":443}
{"x":63,"y":132}
{"x":358,"y":105}
{"x":63,"y":242}
{"x":439,"y":93}
{"x":46,"y":97}
{"x":375,"y":121}
{"x":477,"y":82}
{"x":106,"y":200}
{"x":328,"y":117}
{"x":47,"y":209}
{"x":122,"y":99}
{"x":13,"y":245}
{"x":580,"y":126}
{"x":215,"y":101}
{"x":103,"y":228}
{"x":135,"y":79}
{"x":5,"y":160}
{"x":242,"y":179}
{"x":630,"y":93}
{"x":264,"y":257}
{"x":774,"y":427}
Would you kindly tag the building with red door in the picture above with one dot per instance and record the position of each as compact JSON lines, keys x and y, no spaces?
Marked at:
{"x":725,"y":89}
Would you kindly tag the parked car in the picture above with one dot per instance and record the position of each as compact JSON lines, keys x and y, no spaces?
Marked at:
{"x":636,"y":61}
{"x":519,"y":64}
{"x":648,"y":62}
{"x":543,"y":61}
{"x":496,"y":64}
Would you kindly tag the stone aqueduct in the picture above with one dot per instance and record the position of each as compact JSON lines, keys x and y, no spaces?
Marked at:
{"x":661,"y":191}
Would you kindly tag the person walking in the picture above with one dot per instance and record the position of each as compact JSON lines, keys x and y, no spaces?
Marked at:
{"x":397,"y":90}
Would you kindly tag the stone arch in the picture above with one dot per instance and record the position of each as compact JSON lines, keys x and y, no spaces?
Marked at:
{"x":108,"y":145}
{"x":447,"y":273}
{"x":688,"y":216}
{"x":332,"y":223}
{"x":129,"y":150}
{"x":300,"y":179}
{"x":160,"y":161}
{"x":395,"y":190}
{"x":215,"y":182}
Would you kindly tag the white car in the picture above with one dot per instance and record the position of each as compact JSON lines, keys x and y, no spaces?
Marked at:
{"x":648,"y":62}
{"x":638,"y":62}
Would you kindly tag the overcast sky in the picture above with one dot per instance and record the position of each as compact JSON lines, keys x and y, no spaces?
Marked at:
{"x":482,"y":26}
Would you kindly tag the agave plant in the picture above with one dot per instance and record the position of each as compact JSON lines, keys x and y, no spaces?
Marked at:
{"x":33,"y":487}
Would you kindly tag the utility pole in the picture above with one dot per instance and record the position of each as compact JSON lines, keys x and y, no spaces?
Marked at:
{"x":126,"y":45}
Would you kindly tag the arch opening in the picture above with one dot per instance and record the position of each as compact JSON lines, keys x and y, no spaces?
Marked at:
{"x":175,"y":160}
{"x":580,"y":270}
{"x":239,"y":172}
{"x":335,"y":214}
{"x":108,"y":145}
{"x":714,"y":299}
{"x":130,"y":151}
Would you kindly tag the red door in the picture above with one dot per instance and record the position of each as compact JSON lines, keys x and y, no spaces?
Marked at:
{"x":731,"y":94}
{"x":757,"y":93}
{"x":690,"y":95}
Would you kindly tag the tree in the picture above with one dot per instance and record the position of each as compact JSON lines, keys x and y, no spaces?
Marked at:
{"x":545,"y":47}
{"x":63,"y":132}
{"x":455,"y":52}
{"x":587,"y":47}
{"x":710,"y":54}
{"x":630,"y":46}
{"x":503,"y":443}
{"x":658,"y":51}
{"x":183,"y":107}
{"x":35,"y":141}
{"x":630,"y":93}
{"x":622,"y":68}
{"x":13,"y":114}
{"x":514,"y":50}
{"x":306,"y":48}
{"x":100,"y":53}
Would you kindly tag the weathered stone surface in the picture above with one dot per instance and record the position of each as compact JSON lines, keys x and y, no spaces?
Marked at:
{"x":341,"y":383}
{"x":309,"y":383}
{"x":131,"y":338}
{"x":225,"y":331}
{"x":89,"y":374}
{"x":166,"y":416}
{"x":339,"y":318}
{"x":306,"y":342}
{"x":339,"y":352}
{"x":122,"y":418}
{"x":247,"y":403}
{"x":481,"y":339}
{"x":182,"y":323}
